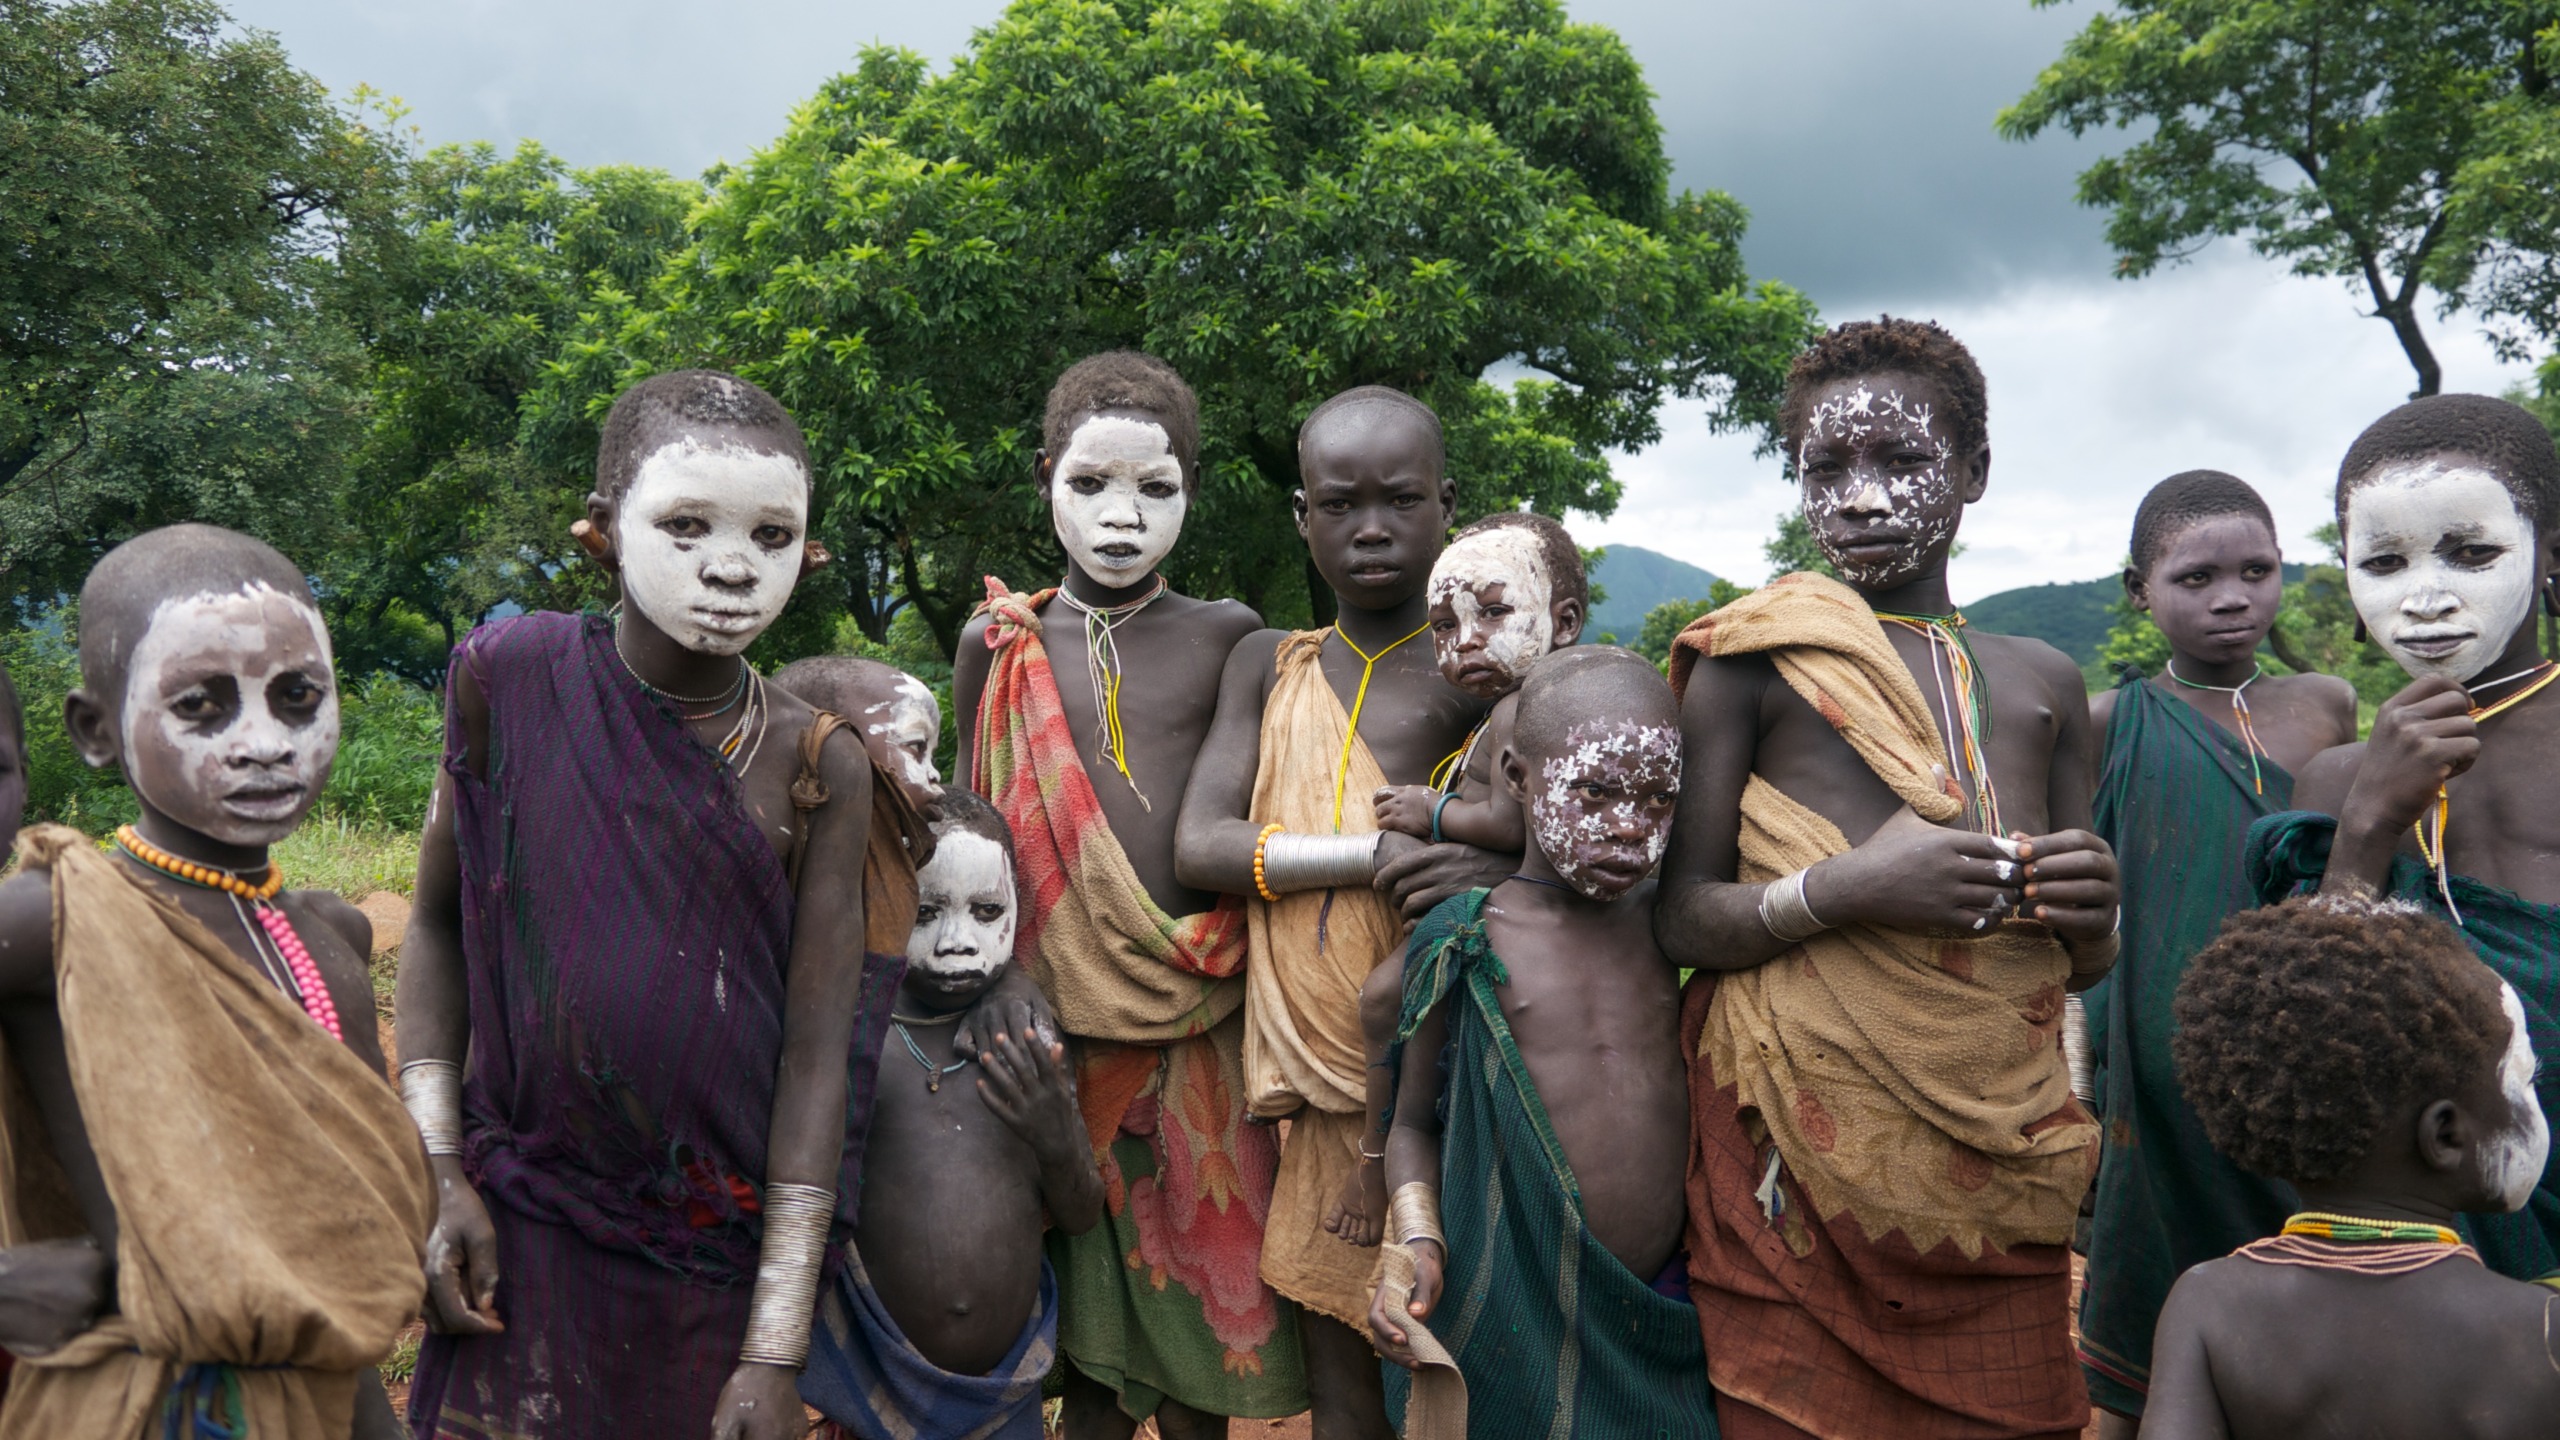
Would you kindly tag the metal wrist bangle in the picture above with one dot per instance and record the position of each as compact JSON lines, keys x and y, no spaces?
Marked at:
{"x":1783,"y":910}
{"x":796,"y":1218}
{"x":432,"y":1091}
{"x":1292,"y":862}
{"x":1413,"y":1213}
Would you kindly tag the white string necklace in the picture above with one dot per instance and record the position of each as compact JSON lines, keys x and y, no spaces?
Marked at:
{"x":1102,"y":669}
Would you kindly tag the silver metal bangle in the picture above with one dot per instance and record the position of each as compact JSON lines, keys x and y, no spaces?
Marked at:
{"x":2075,"y":1049}
{"x":1783,"y":910}
{"x":432,"y":1090}
{"x":796,"y":1218}
{"x":1292,"y":862}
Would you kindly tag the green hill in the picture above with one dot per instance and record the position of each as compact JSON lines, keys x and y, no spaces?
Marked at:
{"x":1638,"y":579}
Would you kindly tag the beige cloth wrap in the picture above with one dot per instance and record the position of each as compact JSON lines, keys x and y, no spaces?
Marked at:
{"x":1310,"y":953}
{"x":1918,"y":1083}
{"x":271,"y":1195}
{"x":1437,"y":1408}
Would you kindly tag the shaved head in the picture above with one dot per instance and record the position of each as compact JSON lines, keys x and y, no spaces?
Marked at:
{"x":1573,"y":687}
{"x":1370,"y":403}
{"x":177,"y":562}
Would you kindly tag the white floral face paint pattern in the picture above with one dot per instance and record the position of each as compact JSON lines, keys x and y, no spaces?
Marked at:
{"x":708,"y":538}
{"x":230,"y":713}
{"x":2512,"y":1161}
{"x":964,"y":908}
{"x":1116,"y":498}
{"x":1490,"y":609}
{"x":1880,"y":483}
{"x":2441,"y":566}
{"x":1600,"y":809}
{"x":910,"y":722}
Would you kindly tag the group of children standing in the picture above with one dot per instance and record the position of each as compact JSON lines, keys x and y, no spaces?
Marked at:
{"x":1611,"y":1054}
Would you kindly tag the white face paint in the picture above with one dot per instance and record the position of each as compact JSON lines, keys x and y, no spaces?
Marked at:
{"x":230,"y":713}
{"x":1600,"y":810}
{"x":709,"y":539}
{"x":964,"y":908}
{"x":1880,"y":482}
{"x":1116,"y":498}
{"x":1491,"y":613}
{"x":911,"y":723}
{"x":2441,"y":566}
{"x":2512,"y":1161}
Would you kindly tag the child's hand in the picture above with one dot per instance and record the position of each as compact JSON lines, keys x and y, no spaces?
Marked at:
{"x":1387,"y":1319}
{"x":2422,"y":737}
{"x":1912,"y":875}
{"x":2071,"y":883}
{"x":760,"y":1402}
{"x":462,"y":1257}
{"x":1014,"y":1003}
{"x":1026,"y":1083}
{"x":1359,"y":1212}
{"x":1406,"y":809}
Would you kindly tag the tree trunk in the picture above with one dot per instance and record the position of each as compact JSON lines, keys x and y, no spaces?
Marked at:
{"x":2287,"y":652}
{"x":943,"y":620}
{"x":2413,"y":343}
{"x":1320,"y":600}
{"x":869,"y":615}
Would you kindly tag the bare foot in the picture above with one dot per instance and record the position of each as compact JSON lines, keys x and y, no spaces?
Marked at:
{"x":1352,"y":1220}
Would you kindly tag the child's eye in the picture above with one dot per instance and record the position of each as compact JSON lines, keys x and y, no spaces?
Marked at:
{"x":2258,"y":572}
{"x":1496,"y":610}
{"x":1334,"y":507}
{"x":772,"y":537}
{"x":195,"y":705}
{"x":1085,"y":484}
{"x":1157,"y":490}
{"x":987,"y":914}
{"x":917,"y":748}
{"x":685,"y":527}
{"x":2382,"y":565}
{"x":296,"y":692}
{"x":1909,"y":458}
{"x":926,"y":911}
{"x":1593,"y":790}
{"x":1406,"y":502}
{"x":2477,"y":557}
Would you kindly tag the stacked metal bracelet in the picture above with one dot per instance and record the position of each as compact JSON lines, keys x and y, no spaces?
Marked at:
{"x":1784,"y":912}
{"x":432,"y":1090}
{"x":796,"y":1218}
{"x":1292,"y":862}
{"x":1413,"y":1213}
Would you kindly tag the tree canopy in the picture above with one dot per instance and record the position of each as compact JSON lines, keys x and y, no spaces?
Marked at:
{"x":2377,"y":143}
{"x":1466,"y":199}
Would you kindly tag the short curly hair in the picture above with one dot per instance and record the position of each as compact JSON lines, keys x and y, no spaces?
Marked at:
{"x":665,"y":408}
{"x":1555,"y":544}
{"x":2181,"y":501}
{"x":2504,"y":436}
{"x":960,"y":809}
{"x":2305,"y":1028}
{"x":1125,"y":380}
{"x":1870,"y":347}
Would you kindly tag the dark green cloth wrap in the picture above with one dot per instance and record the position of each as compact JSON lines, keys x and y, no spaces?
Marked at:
{"x":2175,"y":799}
{"x":2513,"y":936}
{"x":1554,"y":1335}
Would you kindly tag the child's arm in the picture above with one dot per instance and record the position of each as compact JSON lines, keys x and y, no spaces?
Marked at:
{"x":1029,"y":1087}
{"x":1360,"y":1211}
{"x":2421,"y":738}
{"x":1413,"y":1157}
{"x":2070,"y":873}
{"x":822,"y":989}
{"x":1215,"y":840}
{"x":2183,"y":1403}
{"x":970,"y":664}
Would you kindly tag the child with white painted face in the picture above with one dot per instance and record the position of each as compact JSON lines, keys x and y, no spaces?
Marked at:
{"x":2356,"y":1049}
{"x":945,"y":1319}
{"x":199,"y":1040}
{"x":1543,"y":1007}
{"x":1509,"y":590}
{"x":894,"y":712}
{"x":2449,"y":511}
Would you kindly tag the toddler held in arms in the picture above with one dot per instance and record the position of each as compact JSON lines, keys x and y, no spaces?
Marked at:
{"x":944,"y":1319}
{"x":1508,"y":590}
{"x":2357,"y":1049}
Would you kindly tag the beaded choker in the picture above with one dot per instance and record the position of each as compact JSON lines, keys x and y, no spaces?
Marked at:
{"x":292,"y":970}
{"x":2432,"y":847}
{"x":2322,"y":1225}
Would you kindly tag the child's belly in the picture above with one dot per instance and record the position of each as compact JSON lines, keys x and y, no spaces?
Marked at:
{"x":951,"y":1225}
{"x":1621,"y":1110}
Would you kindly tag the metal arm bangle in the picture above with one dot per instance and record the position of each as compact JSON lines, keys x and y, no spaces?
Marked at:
{"x":1292,"y":862}
{"x":1784,"y":912}
{"x":432,"y":1091}
{"x":1413,"y":1213}
{"x":796,"y":1218}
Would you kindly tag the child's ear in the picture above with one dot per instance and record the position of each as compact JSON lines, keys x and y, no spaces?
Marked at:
{"x":2137,"y":591}
{"x":92,"y":729}
{"x":594,"y":534}
{"x":2551,"y":572}
{"x":1448,"y":502}
{"x":1515,"y":775}
{"x":1043,"y":470}
{"x":1566,"y":614}
{"x":2444,"y":1138}
{"x":1298,"y":509}
{"x":1977,"y":476}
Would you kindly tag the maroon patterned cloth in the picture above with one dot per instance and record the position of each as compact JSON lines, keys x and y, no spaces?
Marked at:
{"x":626,"y":929}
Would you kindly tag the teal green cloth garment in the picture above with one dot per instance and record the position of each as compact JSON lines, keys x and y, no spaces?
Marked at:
{"x":2175,"y":798}
{"x":1554,"y":1335}
{"x":2515,"y":937}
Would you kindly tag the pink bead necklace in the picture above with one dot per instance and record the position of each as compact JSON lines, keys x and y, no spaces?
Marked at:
{"x":293,"y":971}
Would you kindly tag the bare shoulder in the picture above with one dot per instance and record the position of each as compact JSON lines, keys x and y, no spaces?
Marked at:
{"x":2056,"y":670}
{"x":26,"y":934}
{"x":333,"y":910}
{"x":2102,"y":710}
{"x":973,"y":635}
{"x":2324,"y":782}
{"x":1497,"y":721}
{"x":1253,"y":661}
{"x":1224,"y":621}
{"x":2330,"y":693}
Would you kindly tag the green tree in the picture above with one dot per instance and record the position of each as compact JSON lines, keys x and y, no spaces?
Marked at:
{"x":2345,"y":140}
{"x":159,"y":173}
{"x":1282,"y":197}
{"x":1793,"y":548}
{"x":464,"y":278}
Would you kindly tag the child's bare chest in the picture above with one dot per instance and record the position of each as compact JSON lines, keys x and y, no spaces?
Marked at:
{"x":1410,"y":718}
{"x":1167,"y":666}
{"x":2503,"y":824}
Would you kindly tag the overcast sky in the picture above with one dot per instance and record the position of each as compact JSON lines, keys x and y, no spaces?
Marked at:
{"x":1859,"y":133}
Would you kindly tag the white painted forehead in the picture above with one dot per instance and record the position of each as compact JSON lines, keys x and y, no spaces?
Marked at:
{"x":1505,"y":553}
{"x":773,"y":463}
{"x":2404,"y":476}
{"x":1120,"y":434}
{"x":911,"y":688}
{"x":256,"y":592}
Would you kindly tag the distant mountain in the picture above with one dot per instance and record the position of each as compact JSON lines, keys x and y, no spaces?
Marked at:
{"x":2073,"y":618}
{"x":1638,"y":579}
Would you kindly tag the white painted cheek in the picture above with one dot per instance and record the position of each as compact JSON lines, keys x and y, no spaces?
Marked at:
{"x":2512,"y":1161}
{"x":715,"y":593}
{"x":965,"y":867}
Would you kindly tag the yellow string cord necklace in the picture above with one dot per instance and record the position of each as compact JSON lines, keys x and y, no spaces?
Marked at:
{"x":1360,"y":697}
{"x":2434,"y":853}
{"x":1102,"y":667}
{"x":1452,"y":768}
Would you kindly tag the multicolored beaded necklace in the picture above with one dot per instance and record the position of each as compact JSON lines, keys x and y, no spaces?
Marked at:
{"x":1102,"y":668}
{"x":293,"y":970}
{"x":1968,"y":729}
{"x":2318,"y":1240}
{"x":2434,"y":851}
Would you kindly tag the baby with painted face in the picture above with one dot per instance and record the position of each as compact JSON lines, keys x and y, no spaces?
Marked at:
{"x":2356,"y":1049}
{"x":1556,"y":1016}
{"x":945,"y":1318}
{"x":243,"y":1072}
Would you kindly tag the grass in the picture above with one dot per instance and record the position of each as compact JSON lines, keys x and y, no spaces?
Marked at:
{"x":353,"y":857}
